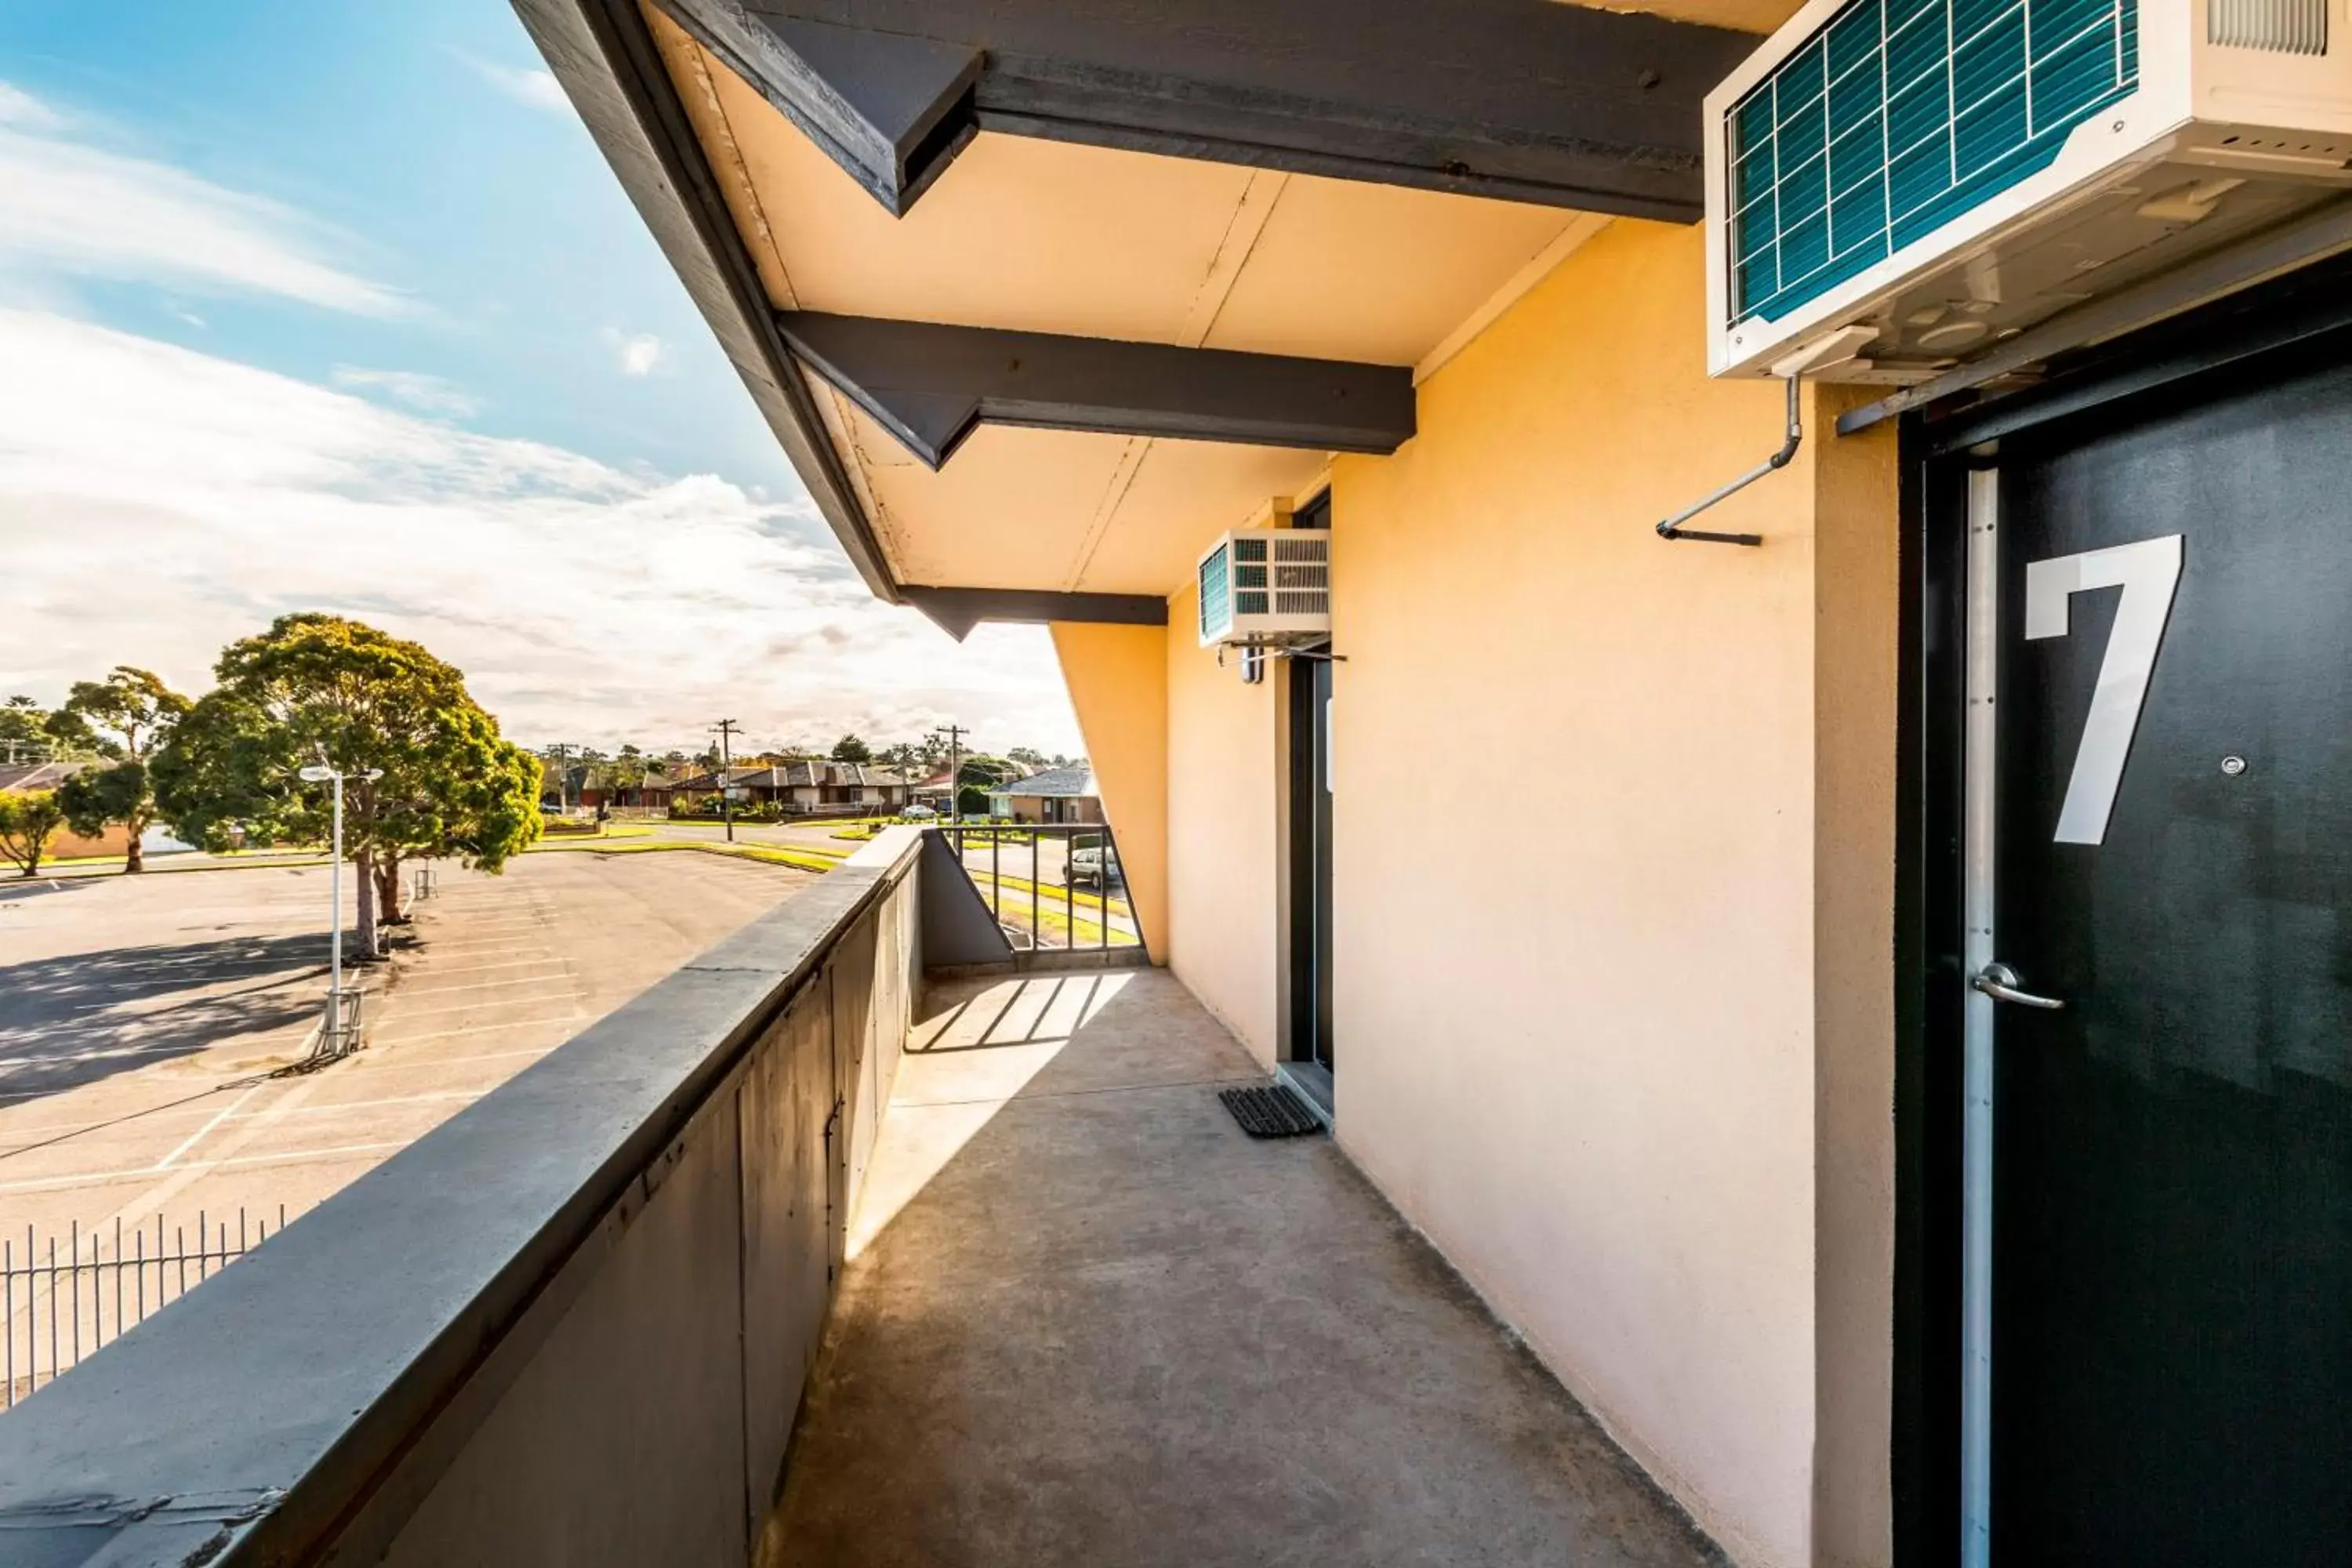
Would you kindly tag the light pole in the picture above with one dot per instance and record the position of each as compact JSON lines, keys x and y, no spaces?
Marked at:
{"x":319,"y":773}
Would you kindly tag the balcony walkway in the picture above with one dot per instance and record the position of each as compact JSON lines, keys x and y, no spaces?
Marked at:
{"x":1088,"y":1323}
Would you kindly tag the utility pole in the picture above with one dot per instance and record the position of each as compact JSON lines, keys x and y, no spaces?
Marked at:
{"x":955,"y":734}
{"x":725,"y":730}
{"x":560,"y":754}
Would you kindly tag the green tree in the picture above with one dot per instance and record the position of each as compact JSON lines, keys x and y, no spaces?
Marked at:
{"x":904,"y":759}
{"x":627,"y":771}
{"x":31,"y":732}
{"x":319,"y":685}
{"x":97,"y":796}
{"x":985,"y":772}
{"x":1035,"y":761}
{"x":129,"y":714}
{"x":21,"y":731}
{"x":850,"y":749}
{"x":27,"y":821}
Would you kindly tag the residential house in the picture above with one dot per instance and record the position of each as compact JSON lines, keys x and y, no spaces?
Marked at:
{"x":598,"y":787}
{"x":591,"y":787}
{"x":936,"y":790}
{"x":31,"y":778}
{"x":1057,"y":795}
{"x":807,"y":788}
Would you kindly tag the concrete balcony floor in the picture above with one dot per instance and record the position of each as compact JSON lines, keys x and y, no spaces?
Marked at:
{"x":1088,"y":1322}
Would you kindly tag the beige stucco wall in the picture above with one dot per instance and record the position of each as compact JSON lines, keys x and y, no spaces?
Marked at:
{"x":1578,"y":1035}
{"x":1225,"y":771}
{"x":1118,"y":678}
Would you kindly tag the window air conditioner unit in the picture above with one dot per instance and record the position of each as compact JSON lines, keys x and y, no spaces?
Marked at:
{"x":1932,"y":177}
{"x":1267,"y":587}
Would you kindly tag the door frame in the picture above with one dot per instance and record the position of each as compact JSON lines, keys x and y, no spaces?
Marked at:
{"x":2304,"y":316}
{"x":1307,"y":878}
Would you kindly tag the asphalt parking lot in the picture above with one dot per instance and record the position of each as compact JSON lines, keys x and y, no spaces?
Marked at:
{"x":145,"y":1022}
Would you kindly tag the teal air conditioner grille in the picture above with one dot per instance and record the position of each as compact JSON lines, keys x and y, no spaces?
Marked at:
{"x":1898,"y":116}
{"x":1216,"y":596}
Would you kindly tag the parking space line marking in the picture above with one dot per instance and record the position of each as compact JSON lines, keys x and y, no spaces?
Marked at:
{"x":478,"y":968}
{"x":418,"y":988}
{"x":197,"y":1167}
{"x":480,"y":1004}
{"x":480,"y":1029}
{"x":193,"y":1139}
{"x":437,"y":1062}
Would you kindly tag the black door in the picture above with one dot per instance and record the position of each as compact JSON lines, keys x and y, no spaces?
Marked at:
{"x":2170,"y":804}
{"x":1310,"y":860}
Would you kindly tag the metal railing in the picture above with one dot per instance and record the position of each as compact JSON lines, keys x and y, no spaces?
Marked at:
{"x":1030,"y":874}
{"x":56,"y":1309}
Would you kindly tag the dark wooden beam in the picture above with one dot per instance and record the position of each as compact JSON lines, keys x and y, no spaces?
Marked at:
{"x":1527,"y":100}
{"x":891,"y":109}
{"x":929,"y":386}
{"x":957,"y":610}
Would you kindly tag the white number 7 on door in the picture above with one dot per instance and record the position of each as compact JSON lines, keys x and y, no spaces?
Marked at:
{"x":2147,"y":571}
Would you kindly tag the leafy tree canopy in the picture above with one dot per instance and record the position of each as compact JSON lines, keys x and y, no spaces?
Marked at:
{"x":316,"y":686}
{"x":1027,"y":758}
{"x":30,"y":733}
{"x":131,"y":711}
{"x":850,"y":749}
{"x":129,"y":714}
{"x":28,"y":821}
{"x":984,"y":771}
{"x":21,"y":721}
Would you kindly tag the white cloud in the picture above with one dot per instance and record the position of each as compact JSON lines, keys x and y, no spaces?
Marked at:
{"x":639,"y":353}
{"x":21,"y":109}
{"x":70,"y":208}
{"x":425,"y":394}
{"x":158,"y":502}
{"x":536,"y":87}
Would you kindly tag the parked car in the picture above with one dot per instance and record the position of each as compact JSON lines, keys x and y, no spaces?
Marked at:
{"x":1088,"y":866}
{"x":919,"y":814}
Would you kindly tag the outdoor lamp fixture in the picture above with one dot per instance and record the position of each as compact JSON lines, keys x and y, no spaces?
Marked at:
{"x":319,"y":773}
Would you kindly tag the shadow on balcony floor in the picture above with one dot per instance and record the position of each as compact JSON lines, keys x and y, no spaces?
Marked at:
{"x":1089,"y":1322}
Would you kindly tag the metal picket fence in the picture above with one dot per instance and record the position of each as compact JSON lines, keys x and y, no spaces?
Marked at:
{"x":64,"y":1297}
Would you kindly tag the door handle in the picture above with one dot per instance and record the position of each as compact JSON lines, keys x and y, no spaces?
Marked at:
{"x":1999,"y":980}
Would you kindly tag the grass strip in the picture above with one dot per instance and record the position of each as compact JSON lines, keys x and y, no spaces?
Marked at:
{"x":800,"y":860}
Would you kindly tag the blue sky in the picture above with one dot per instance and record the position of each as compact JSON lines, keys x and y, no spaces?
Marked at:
{"x":294,"y":294}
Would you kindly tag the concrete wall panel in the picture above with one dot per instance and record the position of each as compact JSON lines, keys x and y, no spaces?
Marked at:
{"x":785,"y":1102}
{"x":642,"y":1378}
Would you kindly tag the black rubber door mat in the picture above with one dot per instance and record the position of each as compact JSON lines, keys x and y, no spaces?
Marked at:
{"x":1270,"y":1112}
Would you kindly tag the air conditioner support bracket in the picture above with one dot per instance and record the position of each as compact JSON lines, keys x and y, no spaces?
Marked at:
{"x":1673,"y":529}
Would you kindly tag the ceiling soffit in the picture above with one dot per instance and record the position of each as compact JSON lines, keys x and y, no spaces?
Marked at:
{"x":1035,"y":235}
